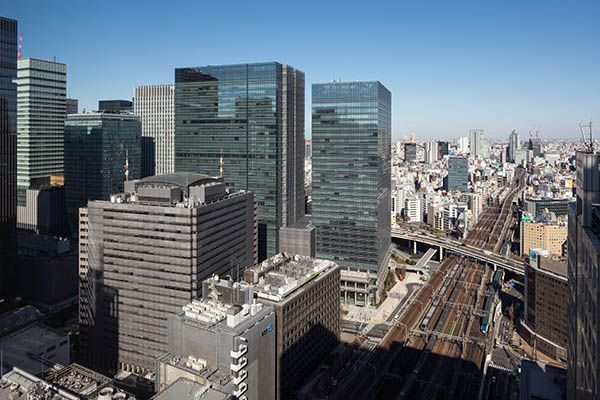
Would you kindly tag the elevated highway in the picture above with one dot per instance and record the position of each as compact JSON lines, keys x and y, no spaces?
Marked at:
{"x":459,"y":248}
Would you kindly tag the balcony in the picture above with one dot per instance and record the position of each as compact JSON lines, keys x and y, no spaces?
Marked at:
{"x":243,"y":349}
{"x":241,"y":389}
{"x":237,"y":380}
{"x":242,"y":363}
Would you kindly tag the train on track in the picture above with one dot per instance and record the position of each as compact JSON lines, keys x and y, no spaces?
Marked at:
{"x":438,"y":298}
{"x":489,"y":300}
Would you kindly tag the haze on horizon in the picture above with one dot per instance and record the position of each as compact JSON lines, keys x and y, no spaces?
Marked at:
{"x":450,"y":67}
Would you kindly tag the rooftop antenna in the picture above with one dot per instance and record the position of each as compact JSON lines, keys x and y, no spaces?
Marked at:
{"x":20,"y":45}
{"x":589,"y":144}
{"x":126,"y":164}
{"x":530,"y":134}
{"x":221,"y":165}
{"x":537,"y":134}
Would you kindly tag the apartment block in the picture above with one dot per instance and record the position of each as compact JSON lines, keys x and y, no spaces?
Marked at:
{"x":543,"y":233}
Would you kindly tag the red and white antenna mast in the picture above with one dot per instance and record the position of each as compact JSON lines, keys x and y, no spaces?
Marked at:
{"x":20,"y":46}
{"x":221,"y":165}
{"x":530,"y":134}
{"x":126,"y":164}
{"x":537,"y":134}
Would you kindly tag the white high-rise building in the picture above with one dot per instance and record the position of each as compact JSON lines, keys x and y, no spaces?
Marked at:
{"x":154,"y":105}
{"x":463,"y":144}
{"x":478,"y":144}
{"x":413,"y":209}
{"x":431,"y":152}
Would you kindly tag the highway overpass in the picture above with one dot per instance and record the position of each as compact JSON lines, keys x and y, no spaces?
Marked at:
{"x":459,"y":248}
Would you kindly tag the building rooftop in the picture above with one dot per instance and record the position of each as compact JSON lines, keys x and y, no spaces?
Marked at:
{"x":281,"y":275}
{"x":549,"y":262}
{"x":17,"y":318}
{"x":540,"y":380}
{"x":184,"y":389}
{"x":21,"y":348}
{"x":182,"y":179}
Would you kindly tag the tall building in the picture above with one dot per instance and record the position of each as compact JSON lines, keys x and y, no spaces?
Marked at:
{"x":410,"y":151}
{"x":478,"y":144}
{"x":543,"y":234}
{"x":514,"y":144}
{"x":225,"y":339}
{"x":97,"y":147}
{"x":537,"y":206}
{"x":545,"y":323}
{"x":583,"y":363}
{"x":431,"y":152}
{"x":115,"y":106}
{"x":305,"y":294}
{"x":148,"y":251}
{"x":351,"y":164}
{"x":8,"y":152}
{"x":72,"y":106}
{"x":463,"y":145}
{"x":251,"y":116}
{"x":41,"y":111}
{"x":443,"y":149}
{"x":154,"y":105}
{"x":308,"y":149}
{"x":458,"y":174}
{"x":536,"y":146}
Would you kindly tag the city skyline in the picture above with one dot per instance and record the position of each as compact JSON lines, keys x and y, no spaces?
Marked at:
{"x":452,"y":68}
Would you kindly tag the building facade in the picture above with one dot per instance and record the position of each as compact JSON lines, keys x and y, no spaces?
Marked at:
{"x":536,"y":207}
{"x":97,"y":147}
{"x":250,"y":116}
{"x":478,"y":144}
{"x":41,"y":111}
{"x":115,"y":106}
{"x":458,"y":174}
{"x":431,"y":152}
{"x":351,"y":186}
{"x":583,"y":363}
{"x":410,"y":152}
{"x":226,"y":339}
{"x":148,"y":251}
{"x":154,"y":105}
{"x":443,"y":149}
{"x":8,"y":152}
{"x":305,"y":294}
{"x":543,"y":234}
{"x":72,"y":106}
{"x":545,"y":324}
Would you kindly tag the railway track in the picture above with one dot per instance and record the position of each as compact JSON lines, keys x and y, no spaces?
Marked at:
{"x":436,"y":349}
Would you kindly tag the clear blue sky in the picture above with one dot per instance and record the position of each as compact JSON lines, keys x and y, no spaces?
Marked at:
{"x":451,"y":66}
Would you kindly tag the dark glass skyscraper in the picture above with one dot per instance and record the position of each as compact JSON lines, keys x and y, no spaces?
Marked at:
{"x":458,"y":174}
{"x":8,"y":150}
{"x":351,"y":162}
{"x":252,"y":115}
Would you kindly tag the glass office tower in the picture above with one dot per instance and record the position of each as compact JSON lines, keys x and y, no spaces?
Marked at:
{"x":8,"y":150}
{"x":458,"y":174}
{"x":351,"y":164}
{"x":253,"y":116}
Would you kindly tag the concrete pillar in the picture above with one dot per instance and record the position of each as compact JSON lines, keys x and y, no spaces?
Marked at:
{"x":441,"y":254}
{"x":415,"y":247}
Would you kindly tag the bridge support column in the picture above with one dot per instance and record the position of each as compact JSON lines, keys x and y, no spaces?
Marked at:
{"x":441,"y":254}
{"x":414,"y":247}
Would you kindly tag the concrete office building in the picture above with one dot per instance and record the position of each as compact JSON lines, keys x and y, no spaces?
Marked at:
{"x":253,"y":116}
{"x":8,"y":152}
{"x":545,"y":324}
{"x":154,"y":105}
{"x":431,"y":152}
{"x":514,"y":144}
{"x":458,"y":174}
{"x":535,"y":145}
{"x":148,"y":250}
{"x":308,"y":149}
{"x":41,"y":111}
{"x":299,"y":238}
{"x":583,"y":363}
{"x":351,"y":187}
{"x":115,"y":106}
{"x":225,"y":340}
{"x":410,"y":152}
{"x":72,"y":106}
{"x":478,"y":144}
{"x":44,"y":212}
{"x":305,"y":294}
{"x":543,"y":234}
{"x":97,"y":147}
{"x":536,"y":207}
{"x":462,"y":144}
